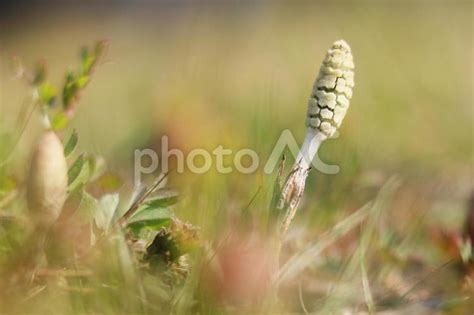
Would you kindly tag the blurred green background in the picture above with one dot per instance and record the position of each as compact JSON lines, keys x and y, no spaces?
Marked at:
{"x":237,"y":74}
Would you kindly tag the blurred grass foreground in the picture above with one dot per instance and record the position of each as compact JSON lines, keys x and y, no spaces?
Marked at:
{"x":391,"y":232}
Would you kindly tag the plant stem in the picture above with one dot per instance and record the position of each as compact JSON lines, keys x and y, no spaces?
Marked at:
{"x":293,"y":188}
{"x":290,"y":197}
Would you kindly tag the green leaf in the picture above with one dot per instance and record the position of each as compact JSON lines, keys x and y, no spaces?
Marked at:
{"x":165,"y":198}
{"x":82,"y":81}
{"x":154,"y":213}
{"x":156,"y":225}
{"x":96,"y":166}
{"x":87,"y":64}
{"x":105,"y":211}
{"x":75,"y":169}
{"x":47,"y":94}
{"x":71,"y":143}
{"x":88,"y":60}
{"x":146,"y":213}
{"x":76,"y":81}
{"x":85,"y":53}
{"x":149,"y":218}
{"x":59,"y":121}
{"x":78,"y":173}
{"x":70,"y":89}
{"x":91,"y":57}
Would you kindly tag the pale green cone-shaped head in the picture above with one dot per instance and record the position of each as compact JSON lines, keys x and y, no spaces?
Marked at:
{"x":332,"y":90}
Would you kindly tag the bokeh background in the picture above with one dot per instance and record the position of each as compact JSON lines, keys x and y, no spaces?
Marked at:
{"x":238,"y":73}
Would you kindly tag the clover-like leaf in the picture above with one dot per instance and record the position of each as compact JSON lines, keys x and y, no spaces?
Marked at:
{"x":164,"y":198}
{"x":105,"y":211}
{"x":79,"y":173}
{"x":70,"y":89}
{"x":71,"y":143}
{"x":59,"y":121}
{"x":75,"y":169}
{"x":149,"y":218}
{"x":47,"y":94}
